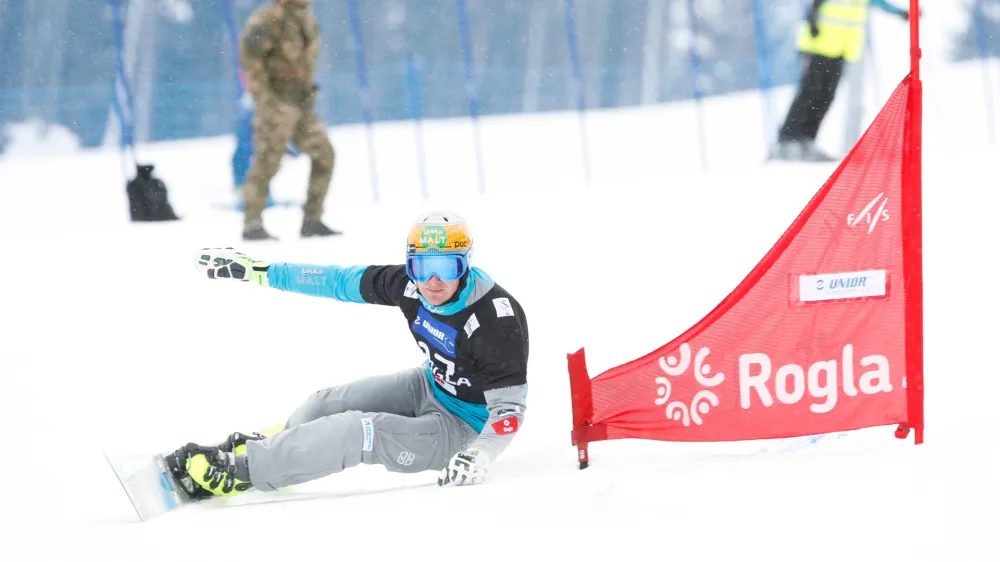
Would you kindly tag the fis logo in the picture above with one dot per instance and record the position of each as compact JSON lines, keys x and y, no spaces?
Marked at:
{"x":869,"y":217}
{"x":411,"y":291}
{"x":503,"y":307}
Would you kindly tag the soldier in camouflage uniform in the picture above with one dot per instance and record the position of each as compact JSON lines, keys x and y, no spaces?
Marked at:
{"x":278,"y":50}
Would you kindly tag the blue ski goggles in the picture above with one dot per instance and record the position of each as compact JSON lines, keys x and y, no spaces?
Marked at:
{"x":446,"y":267}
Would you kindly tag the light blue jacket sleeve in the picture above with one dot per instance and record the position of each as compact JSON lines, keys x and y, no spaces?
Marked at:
{"x":887,"y":7}
{"x":329,"y":281}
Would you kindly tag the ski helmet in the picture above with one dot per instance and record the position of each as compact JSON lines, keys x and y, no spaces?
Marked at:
{"x":438,"y":244}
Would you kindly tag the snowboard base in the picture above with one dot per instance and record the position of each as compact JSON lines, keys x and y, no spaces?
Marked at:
{"x":148,"y":484}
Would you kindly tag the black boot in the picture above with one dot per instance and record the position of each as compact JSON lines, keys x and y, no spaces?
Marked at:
{"x":317,"y":228}
{"x":256,"y":232}
{"x":787,"y":150}
{"x":811,"y":153}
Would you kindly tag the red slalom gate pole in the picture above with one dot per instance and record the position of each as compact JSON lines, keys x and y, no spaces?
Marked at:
{"x":915,"y":39}
{"x":913,"y":240}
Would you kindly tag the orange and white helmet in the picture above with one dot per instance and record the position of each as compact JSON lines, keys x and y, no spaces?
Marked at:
{"x":438,"y":244}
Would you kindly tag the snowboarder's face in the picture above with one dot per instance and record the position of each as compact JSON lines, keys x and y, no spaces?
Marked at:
{"x":436,"y":291}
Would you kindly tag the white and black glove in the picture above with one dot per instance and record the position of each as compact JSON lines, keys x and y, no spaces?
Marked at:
{"x":467,"y":467}
{"x":227,"y":263}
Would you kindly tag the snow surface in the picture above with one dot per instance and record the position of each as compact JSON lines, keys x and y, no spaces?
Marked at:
{"x":113,"y":342}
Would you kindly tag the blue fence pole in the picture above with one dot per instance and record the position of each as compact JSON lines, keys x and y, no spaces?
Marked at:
{"x":578,"y":85}
{"x":122,"y":91}
{"x":984,"y":57}
{"x":873,"y":79}
{"x":240,"y":161}
{"x":696,"y":75}
{"x":365,"y":92}
{"x":764,"y":69}
{"x":234,"y":54}
{"x":470,"y":88}
{"x":416,"y":113}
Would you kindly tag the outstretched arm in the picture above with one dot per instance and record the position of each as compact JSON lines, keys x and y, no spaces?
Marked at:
{"x":329,"y":281}
{"x":359,"y":283}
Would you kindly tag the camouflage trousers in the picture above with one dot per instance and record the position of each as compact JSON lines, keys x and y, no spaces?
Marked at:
{"x":274,"y":126}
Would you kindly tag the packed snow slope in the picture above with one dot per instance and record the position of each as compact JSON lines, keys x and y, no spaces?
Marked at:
{"x":112,"y":342}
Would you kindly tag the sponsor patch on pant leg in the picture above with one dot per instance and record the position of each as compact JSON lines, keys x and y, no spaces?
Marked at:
{"x":369,"y":434}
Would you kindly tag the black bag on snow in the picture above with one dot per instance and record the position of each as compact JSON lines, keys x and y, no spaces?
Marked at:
{"x":147,"y":196}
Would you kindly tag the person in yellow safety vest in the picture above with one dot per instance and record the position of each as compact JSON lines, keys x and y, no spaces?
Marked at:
{"x":833,"y":32}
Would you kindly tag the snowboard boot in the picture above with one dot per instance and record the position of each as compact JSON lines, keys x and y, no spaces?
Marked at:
{"x":205,"y":472}
{"x":218,"y":470}
{"x":316,"y":228}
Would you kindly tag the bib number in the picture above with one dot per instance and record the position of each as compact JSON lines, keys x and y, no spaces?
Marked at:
{"x":444,"y":371}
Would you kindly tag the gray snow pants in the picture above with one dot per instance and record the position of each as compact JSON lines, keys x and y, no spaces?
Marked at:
{"x":392,"y":420}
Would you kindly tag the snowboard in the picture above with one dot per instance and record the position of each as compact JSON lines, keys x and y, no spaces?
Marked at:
{"x":149,"y":484}
{"x":152,"y":487}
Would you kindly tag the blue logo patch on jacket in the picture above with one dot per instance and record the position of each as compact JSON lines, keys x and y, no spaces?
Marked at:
{"x":440,"y":335}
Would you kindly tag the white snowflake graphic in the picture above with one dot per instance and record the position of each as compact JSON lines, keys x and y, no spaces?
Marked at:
{"x":703,"y":400}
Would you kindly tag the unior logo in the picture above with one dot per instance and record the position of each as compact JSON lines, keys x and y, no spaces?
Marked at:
{"x":843,"y":285}
{"x":848,"y":282}
{"x":433,"y":331}
{"x":440,"y":336}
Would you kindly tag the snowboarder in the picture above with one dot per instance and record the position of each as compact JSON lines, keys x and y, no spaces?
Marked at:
{"x":454,"y":413}
{"x":833,"y":32}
